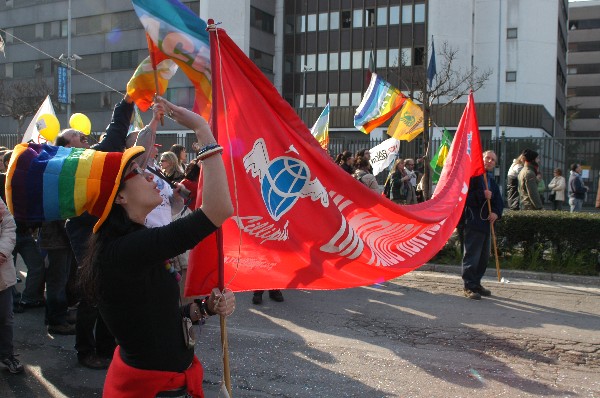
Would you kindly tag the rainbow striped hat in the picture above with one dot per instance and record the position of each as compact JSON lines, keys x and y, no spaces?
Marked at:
{"x":48,"y":183}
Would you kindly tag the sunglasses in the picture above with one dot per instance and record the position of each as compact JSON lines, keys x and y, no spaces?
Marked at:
{"x":135,"y":171}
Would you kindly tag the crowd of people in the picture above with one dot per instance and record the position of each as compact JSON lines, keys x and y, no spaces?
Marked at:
{"x":80,"y":267}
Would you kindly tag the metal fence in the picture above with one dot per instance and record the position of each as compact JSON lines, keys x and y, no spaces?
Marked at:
{"x":554,"y":153}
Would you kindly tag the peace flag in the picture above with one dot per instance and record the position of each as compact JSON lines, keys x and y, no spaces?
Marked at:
{"x":379,"y":103}
{"x":141,"y":86}
{"x":180,"y":35}
{"x":320,"y":130}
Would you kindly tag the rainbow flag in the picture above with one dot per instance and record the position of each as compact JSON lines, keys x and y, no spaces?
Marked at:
{"x":320,"y":130}
{"x":175,"y":31}
{"x":408,"y":123}
{"x":141,"y":86}
{"x":380,"y":102}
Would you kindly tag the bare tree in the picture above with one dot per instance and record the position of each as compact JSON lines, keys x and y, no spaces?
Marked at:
{"x":20,"y":99}
{"x":450,"y":83}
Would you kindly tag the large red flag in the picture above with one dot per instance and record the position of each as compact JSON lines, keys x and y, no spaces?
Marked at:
{"x":300,"y":221}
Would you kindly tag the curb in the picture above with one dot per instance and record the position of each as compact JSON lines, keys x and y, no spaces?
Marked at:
{"x":516,"y":274}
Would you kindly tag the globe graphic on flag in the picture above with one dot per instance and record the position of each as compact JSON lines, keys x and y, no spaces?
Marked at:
{"x":282,"y":184}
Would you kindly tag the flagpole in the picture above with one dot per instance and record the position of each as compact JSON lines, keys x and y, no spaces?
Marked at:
{"x":153,"y":63}
{"x":216,"y":75}
{"x":493,"y":231}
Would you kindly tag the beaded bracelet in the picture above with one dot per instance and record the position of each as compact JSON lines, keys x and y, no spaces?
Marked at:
{"x":206,"y":147}
{"x":209,"y":152}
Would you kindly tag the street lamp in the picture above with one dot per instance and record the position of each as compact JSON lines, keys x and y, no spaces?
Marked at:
{"x":69,"y":58}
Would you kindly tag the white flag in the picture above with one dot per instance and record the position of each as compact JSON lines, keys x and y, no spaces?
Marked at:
{"x":2,"y":46}
{"x":383,"y":154}
{"x":32,"y":133}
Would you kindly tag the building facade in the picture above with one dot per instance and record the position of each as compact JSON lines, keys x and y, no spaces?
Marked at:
{"x":314,"y":51}
{"x":583,"y":80}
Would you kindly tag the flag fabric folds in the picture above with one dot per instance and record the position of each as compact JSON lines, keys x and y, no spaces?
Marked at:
{"x":408,"y":123}
{"x":379,"y":103}
{"x":431,"y":69}
{"x":180,"y":35}
{"x":437,"y":163}
{"x":384,"y":154}
{"x":32,"y":133}
{"x":320,"y":130}
{"x":136,"y":121}
{"x":141,"y":86}
{"x":300,"y":221}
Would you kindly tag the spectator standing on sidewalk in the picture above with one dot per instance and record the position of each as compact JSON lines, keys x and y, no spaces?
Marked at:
{"x":477,"y":221}
{"x":8,"y":278}
{"x":528,"y":183}
{"x":577,"y":190}
{"x":557,"y":186}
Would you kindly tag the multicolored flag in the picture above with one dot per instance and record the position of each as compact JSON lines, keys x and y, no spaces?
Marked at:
{"x":384,"y":154}
{"x":437,"y":163}
{"x":380,"y":102}
{"x":136,"y":121}
{"x":408,"y":123}
{"x":300,"y":221}
{"x":180,"y":35}
{"x":321,"y":128}
{"x":141,"y":86}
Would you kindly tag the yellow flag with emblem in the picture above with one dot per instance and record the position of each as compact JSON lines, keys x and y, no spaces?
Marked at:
{"x":408,"y":122}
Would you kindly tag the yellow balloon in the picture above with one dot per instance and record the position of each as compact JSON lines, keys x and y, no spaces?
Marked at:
{"x":48,"y":126}
{"x":81,"y":122}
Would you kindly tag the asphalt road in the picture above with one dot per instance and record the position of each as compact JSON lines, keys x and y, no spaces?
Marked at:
{"x":415,"y":336}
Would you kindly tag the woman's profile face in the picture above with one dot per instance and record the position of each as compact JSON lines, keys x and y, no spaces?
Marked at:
{"x":139,"y":190}
{"x":165,"y":164}
{"x":183,"y":155}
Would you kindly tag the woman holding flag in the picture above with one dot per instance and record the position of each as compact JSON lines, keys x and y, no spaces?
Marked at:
{"x":137,"y":292}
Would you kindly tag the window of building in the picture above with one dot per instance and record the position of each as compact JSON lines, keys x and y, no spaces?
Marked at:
{"x":381,"y":16}
{"x":88,"y":25}
{"x":393,"y":60}
{"x":124,"y":20}
{"x":288,"y":65}
{"x":182,"y":96}
{"x":87,"y":101}
{"x":407,"y":14}
{"x":301,"y":24}
{"x":321,"y":100}
{"x":572,"y":70}
{"x":25,"y":33}
{"x":311,"y":24}
{"x":311,"y":60}
{"x":323,"y":18}
{"x":91,"y":63}
{"x":511,"y":76}
{"x":64,"y":29}
{"x":334,"y":20}
{"x":357,"y":58}
{"x":356,"y":97}
{"x":511,"y":33}
{"x":346,"y":19}
{"x":381,"y":59}
{"x":289,"y":25}
{"x":357,"y":19}
{"x":370,"y":17}
{"x":419,"y":58}
{"x":263,"y":60}
{"x":395,"y":15}
{"x":367,"y":61}
{"x":310,"y":100}
{"x":322,"y":62}
{"x":345,"y":60}
{"x":405,"y":57}
{"x":262,"y":20}
{"x":24,"y":69}
{"x":333,"y":61}
{"x":301,"y":62}
{"x":344,"y":99}
{"x":333,"y":99}
{"x":124,"y":60}
{"x":419,"y":13}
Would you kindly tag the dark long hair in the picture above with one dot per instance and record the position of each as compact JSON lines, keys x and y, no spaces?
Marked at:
{"x":117,"y":224}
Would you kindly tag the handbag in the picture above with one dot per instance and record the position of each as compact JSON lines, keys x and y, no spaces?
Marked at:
{"x":552,"y":196}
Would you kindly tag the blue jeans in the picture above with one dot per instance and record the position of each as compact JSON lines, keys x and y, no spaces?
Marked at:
{"x":57,"y":275}
{"x":6,"y":323}
{"x":477,"y":254}
{"x":575,"y":204}
{"x":34,"y":283}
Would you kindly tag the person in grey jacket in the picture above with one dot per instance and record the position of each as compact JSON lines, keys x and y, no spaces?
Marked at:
{"x":577,"y":190}
{"x":8,"y":278}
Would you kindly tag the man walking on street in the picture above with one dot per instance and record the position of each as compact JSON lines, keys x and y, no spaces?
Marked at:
{"x":476,"y":221}
{"x":577,"y":190}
